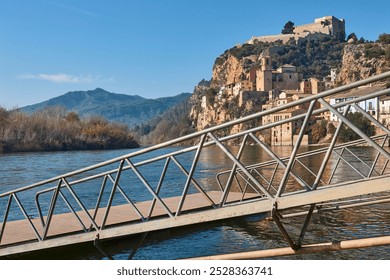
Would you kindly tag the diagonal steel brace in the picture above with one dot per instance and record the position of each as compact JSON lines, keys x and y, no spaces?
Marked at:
{"x":276,"y":216}
{"x":101,"y":249}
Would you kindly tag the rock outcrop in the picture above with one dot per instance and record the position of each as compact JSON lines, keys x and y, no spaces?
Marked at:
{"x":354,"y":62}
{"x":361,"y":61}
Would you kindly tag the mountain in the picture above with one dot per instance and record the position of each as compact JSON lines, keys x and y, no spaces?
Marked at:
{"x":128,"y":109}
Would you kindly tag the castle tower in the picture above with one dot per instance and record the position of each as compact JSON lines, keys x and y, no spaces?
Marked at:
{"x":264,"y":75}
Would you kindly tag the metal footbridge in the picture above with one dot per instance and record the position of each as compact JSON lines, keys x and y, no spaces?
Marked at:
{"x":172,"y":185}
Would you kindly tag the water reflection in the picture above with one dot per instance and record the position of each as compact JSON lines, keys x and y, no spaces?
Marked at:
{"x":235,"y":235}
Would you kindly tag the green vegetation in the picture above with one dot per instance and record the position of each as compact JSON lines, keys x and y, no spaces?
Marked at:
{"x":320,"y":129}
{"x":171,"y":124}
{"x":288,"y":28}
{"x":54,"y":129}
{"x":347,"y":134}
{"x":384,"y":38}
{"x":373,"y":51}
{"x":352,"y":36}
{"x":313,"y":56}
{"x":121,"y":108}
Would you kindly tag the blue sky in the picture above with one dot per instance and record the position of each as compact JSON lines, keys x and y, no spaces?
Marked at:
{"x":152,"y":48}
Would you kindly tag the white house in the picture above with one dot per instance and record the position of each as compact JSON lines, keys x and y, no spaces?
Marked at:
{"x":384,"y":115}
{"x":371,"y":105}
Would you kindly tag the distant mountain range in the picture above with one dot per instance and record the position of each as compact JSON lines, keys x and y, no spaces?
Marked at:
{"x":128,"y":109}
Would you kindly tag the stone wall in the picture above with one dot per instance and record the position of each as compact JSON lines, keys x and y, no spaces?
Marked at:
{"x":326,"y":25}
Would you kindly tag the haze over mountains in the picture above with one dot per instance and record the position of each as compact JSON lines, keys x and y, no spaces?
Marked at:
{"x":128,"y":109}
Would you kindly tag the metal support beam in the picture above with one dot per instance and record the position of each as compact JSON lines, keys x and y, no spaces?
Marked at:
{"x":329,"y":152}
{"x":305,"y":225}
{"x":137,"y":245}
{"x":276,"y":218}
{"x":294,"y":152}
{"x":196,"y":184}
{"x":101,"y":249}
{"x":149,"y":188}
{"x":279,"y":161}
{"x":5,"y":216}
{"x":160,"y":182}
{"x":51,"y":209}
{"x":111,"y":198}
{"x":232,"y":173}
{"x":190,"y":175}
{"x":240,"y":165}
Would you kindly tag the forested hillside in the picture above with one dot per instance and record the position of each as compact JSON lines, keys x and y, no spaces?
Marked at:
{"x":122,"y":108}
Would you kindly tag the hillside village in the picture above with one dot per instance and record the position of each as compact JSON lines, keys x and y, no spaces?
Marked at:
{"x":262,"y":87}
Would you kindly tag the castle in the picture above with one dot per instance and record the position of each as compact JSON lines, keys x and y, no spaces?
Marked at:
{"x":328,"y":25}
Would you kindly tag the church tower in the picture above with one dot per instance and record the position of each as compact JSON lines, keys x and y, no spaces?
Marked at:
{"x":264,"y":75}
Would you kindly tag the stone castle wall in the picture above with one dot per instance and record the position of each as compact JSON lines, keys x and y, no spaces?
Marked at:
{"x":326,"y":25}
{"x":274,"y":38}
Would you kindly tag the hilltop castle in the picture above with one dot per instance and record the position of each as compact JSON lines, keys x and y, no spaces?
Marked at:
{"x":328,"y":25}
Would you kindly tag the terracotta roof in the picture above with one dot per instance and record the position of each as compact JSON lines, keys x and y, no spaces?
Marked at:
{"x":359,"y":91}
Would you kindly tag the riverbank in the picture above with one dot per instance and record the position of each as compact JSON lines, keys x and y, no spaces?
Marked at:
{"x":54,"y":129}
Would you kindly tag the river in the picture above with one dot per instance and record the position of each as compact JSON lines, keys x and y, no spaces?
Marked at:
{"x":236,"y":235}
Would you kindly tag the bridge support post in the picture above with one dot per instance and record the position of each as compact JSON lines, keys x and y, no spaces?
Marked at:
{"x":101,"y":249}
{"x":136,"y":246}
{"x":276,"y":218}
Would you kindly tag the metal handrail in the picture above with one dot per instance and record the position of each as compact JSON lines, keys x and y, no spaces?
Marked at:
{"x":176,"y":141}
{"x":307,"y":154}
{"x":206,"y":138}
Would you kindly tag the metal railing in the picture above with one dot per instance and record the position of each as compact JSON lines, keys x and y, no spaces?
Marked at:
{"x":90,"y":194}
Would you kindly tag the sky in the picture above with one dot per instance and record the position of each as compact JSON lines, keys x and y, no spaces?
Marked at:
{"x":151,"y":48}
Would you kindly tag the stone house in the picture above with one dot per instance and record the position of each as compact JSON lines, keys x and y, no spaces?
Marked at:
{"x":283,"y":135}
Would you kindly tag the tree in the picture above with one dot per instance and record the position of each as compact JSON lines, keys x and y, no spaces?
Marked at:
{"x":353,"y":37}
{"x":384,"y":38}
{"x":361,"y":40}
{"x":72,"y":117}
{"x":3,"y":115}
{"x":362,"y":123}
{"x":318,"y":131}
{"x":288,"y":28}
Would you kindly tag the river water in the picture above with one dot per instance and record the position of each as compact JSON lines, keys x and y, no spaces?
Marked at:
{"x":235,"y":235}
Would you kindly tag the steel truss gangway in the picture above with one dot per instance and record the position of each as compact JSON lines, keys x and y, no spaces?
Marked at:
{"x":173,"y":184}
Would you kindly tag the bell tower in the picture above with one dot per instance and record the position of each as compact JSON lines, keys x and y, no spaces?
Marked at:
{"x":264,"y":74}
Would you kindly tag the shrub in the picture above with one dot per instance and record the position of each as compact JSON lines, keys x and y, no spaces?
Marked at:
{"x":347,"y":134}
{"x":374,"y":52}
{"x":54,"y":129}
{"x":384,"y":38}
{"x":318,"y":131}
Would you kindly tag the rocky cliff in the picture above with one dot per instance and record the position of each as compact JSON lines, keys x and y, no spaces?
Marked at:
{"x":313,"y":56}
{"x":361,"y":61}
{"x":229,"y":69}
